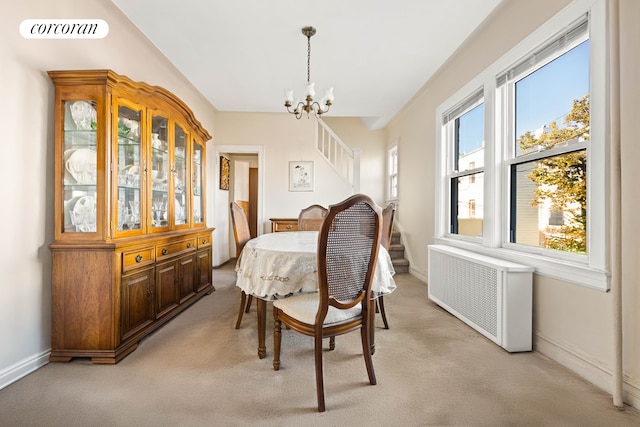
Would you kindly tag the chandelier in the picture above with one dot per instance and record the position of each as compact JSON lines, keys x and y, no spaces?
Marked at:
{"x":308,"y":105}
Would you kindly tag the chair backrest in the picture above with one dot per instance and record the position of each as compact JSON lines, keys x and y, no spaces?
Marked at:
{"x":240,"y":227}
{"x":348,"y":245}
{"x":311,"y":218}
{"x":387,"y":225}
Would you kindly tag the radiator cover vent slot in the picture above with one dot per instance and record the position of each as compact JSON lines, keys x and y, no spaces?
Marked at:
{"x":491,"y":295}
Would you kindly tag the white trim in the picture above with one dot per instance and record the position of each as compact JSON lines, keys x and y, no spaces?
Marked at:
{"x":245,"y":149}
{"x":588,"y":270}
{"x":23,"y":368}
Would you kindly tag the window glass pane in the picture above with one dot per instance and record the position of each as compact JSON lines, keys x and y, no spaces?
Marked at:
{"x":470,"y":139}
{"x":549,"y":203}
{"x":467,"y":205}
{"x":392,"y":174}
{"x":552,"y":103}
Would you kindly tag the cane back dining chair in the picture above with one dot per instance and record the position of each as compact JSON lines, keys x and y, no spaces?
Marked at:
{"x":242,"y":235}
{"x":310,"y":218}
{"x":388,"y":214}
{"x":348,"y":244}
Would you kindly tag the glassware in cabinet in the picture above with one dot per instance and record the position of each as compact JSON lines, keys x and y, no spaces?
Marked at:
{"x":130,"y":169}
{"x":197,"y":162}
{"x":79,"y":166}
{"x":159,"y":173}
{"x":180,"y":181}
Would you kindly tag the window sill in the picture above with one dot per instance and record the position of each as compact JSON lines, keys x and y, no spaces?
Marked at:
{"x":567,"y":271}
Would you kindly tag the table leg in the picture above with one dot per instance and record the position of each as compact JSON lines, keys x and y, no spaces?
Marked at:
{"x":262,"y":324}
{"x":372,"y":325}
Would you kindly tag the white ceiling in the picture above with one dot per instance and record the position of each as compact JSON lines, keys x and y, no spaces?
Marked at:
{"x":243,"y":54}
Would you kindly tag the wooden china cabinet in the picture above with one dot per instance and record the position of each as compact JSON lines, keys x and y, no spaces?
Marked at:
{"x":131,"y":247}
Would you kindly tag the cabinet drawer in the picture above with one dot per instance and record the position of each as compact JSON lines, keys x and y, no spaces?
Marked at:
{"x":174,"y":248}
{"x":284,"y":226}
{"x":204,"y":241}
{"x":138,"y":258}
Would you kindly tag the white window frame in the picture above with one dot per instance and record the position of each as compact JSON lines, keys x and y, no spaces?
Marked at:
{"x":590,"y":270}
{"x":448,"y":132}
{"x":392,"y":151}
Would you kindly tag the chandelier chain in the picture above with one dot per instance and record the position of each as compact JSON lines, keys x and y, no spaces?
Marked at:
{"x":308,"y":59}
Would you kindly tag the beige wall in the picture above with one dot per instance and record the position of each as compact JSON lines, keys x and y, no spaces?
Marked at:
{"x":572,"y":324}
{"x":26,"y":120}
{"x":630,"y":153}
{"x":282,"y":139}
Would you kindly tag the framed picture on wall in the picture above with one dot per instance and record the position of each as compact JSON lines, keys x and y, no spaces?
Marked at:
{"x":225,"y":165}
{"x":300,"y":176}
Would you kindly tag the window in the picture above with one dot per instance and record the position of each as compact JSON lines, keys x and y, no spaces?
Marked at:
{"x":541,"y":109}
{"x":392,"y":173}
{"x":465,"y":127}
{"x":549,"y":168}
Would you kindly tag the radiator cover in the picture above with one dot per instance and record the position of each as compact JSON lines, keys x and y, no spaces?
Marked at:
{"x":491,"y":295}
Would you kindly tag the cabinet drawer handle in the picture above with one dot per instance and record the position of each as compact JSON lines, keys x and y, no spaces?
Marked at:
{"x":189,"y":245}
{"x":138,"y":258}
{"x":204,"y":241}
{"x":164,"y":251}
{"x":289,"y":227}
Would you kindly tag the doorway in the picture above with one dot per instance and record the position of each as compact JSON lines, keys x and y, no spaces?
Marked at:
{"x":218,"y":211}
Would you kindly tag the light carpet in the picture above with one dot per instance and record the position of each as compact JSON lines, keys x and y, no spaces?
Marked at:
{"x":197,"y":370}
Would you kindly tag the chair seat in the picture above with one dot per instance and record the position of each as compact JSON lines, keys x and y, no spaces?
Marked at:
{"x":304,"y":308}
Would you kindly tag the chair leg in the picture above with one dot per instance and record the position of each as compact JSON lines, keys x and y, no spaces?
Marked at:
{"x":243,"y":298}
{"x":380,"y":303}
{"x":249,"y":301}
{"x":319,"y":376}
{"x":277,"y":339}
{"x":366,"y":350}
{"x":332,"y":343}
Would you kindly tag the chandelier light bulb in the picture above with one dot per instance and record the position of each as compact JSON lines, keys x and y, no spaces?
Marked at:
{"x":310,"y":91}
{"x":329,"y":95}
{"x":288,"y":95}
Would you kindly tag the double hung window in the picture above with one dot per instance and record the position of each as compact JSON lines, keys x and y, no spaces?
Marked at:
{"x":464,"y":127}
{"x":523,"y":148}
{"x":392,"y":173}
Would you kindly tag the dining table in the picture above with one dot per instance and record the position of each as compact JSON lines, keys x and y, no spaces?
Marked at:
{"x":279,"y":265}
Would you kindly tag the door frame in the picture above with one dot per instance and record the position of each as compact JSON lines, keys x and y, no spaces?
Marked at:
{"x":220,"y":200}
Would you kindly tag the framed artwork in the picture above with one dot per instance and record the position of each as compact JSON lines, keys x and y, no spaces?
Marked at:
{"x":225,"y":165}
{"x":300,"y":176}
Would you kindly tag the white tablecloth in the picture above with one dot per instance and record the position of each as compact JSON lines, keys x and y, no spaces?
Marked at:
{"x":278,"y":265}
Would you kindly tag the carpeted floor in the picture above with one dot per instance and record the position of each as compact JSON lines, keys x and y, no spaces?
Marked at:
{"x":198,"y":370}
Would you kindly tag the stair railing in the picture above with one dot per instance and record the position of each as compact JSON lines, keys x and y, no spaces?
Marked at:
{"x":344,"y":160}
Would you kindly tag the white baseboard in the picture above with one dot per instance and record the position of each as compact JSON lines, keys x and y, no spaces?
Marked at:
{"x":23,"y":368}
{"x":418,"y":274}
{"x":588,"y":368}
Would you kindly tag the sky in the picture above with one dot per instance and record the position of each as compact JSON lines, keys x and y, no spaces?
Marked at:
{"x":544,"y":96}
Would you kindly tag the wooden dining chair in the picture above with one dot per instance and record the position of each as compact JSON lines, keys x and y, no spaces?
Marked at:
{"x":348,"y":246}
{"x":242,"y":235}
{"x":310,"y":218}
{"x":388,"y":214}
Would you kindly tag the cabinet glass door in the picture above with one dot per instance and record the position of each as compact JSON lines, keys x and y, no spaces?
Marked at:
{"x":159,"y":173}
{"x":80,"y":166}
{"x":198,"y":205}
{"x":180,"y":182}
{"x":130,"y":170}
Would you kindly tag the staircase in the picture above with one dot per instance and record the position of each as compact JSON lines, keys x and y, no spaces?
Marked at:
{"x":396,"y":252}
{"x":346,"y":163}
